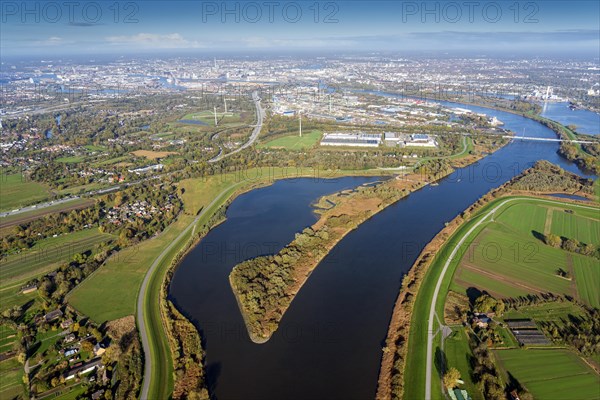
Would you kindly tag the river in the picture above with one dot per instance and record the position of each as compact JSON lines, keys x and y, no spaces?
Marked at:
{"x":586,"y":121}
{"x":329,"y":343}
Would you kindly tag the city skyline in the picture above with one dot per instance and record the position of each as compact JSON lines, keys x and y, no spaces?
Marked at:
{"x":481,"y":28}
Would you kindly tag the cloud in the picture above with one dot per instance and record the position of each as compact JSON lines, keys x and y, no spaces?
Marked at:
{"x":168,"y":41}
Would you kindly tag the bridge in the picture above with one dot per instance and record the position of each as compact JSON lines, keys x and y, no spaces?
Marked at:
{"x":547,"y":139}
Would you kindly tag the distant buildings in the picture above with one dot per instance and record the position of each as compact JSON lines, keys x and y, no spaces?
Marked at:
{"x":354,"y":139}
{"x":142,"y":170}
{"x":406,"y":140}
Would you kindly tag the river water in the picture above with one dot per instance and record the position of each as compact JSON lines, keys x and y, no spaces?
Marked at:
{"x":586,"y":121}
{"x":328,"y":345}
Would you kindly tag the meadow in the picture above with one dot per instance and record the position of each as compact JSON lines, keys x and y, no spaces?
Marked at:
{"x":508,"y":258}
{"x":551,"y":373}
{"x":10,"y":384}
{"x":294,"y":142}
{"x":46,"y":254}
{"x":18,"y":191}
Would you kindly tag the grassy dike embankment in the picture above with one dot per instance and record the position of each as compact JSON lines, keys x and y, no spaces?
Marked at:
{"x":203,"y":197}
{"x":405,"y":356}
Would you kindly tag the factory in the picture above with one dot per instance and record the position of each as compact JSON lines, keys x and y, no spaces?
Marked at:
{"x":409,"y":140}
{"x":355,"y":139}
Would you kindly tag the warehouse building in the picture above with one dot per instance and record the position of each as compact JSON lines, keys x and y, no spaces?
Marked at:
{"x":355,"y":139}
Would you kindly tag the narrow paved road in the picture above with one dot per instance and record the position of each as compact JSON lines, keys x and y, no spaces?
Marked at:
{"x":430,"y":333}
{"x":143,"y":290}
{"x":260,"y":116}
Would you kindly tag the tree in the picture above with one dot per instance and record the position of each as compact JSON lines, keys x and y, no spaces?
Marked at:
{"x":553,"y":240}
{"x":451,"y":378}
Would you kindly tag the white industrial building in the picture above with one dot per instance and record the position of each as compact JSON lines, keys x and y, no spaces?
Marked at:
{"x":412,"y":140}
{"x":354,"y":139}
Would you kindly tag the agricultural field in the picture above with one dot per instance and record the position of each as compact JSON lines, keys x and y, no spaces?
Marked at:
{"x":550,"y":373}
{"x":7,"y":338}
{"x":509,"y":259}
{"x":111,"y":291}
{"x":152,"y":155}
{"x":207,"y":118}
{"x":294,"y":142}
{"x":18,"y":191}
{"x":11,"y":372}
{"x":46,"y":254}
{"x":71,"y":160}
{"x":587,"y":277}
{"x":549,"y":312}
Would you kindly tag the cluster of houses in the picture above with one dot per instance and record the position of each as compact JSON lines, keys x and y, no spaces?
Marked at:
{"x":140,"y":209}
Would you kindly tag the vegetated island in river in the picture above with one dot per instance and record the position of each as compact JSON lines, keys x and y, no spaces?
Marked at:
{"x":265,"y":286}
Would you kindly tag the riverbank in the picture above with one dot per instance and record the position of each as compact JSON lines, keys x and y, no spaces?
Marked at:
{"x":264,"y":287}
{"x":407,"y":329}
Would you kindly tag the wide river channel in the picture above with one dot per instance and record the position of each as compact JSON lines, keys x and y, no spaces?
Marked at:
{"x":329,"y":343}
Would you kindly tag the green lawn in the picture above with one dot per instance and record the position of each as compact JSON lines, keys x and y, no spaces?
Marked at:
{"x":295,"y":142}
{"x":46,"y":254}
{"x":458,"y":353}
{"x":551,"y":373}
{"x":18,"y":191}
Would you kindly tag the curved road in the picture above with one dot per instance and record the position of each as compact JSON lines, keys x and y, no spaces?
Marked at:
{"x":430,"y":333}
{"x":260,"y":115}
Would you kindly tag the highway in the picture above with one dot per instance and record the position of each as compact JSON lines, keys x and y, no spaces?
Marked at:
{"x":260,"y":116}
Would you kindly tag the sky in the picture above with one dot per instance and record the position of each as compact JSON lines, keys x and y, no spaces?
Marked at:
{"x":549,"y":27}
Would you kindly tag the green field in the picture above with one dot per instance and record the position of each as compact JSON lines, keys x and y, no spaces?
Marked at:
{"x":526,"y":219}
{"x":294,"y":142}
{"x":111,"y":291}
{"x":7,"y":338}
{"x":457,"y":352}
{"x":91,"y":147}
{"x":46,"y":254}
{"x":208,"y":117}
{"x":508,"y":260}
{"x":584,"y":229}
{"x":18,"y":191}
{"x":71,"y":160}
{"x":587,"y":277}
{"x":11,"y":385}
{"x":551,"y":373}
{"x":550,"y":312}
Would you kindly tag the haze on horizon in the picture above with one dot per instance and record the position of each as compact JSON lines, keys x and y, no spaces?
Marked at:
{"x":283,"y":27}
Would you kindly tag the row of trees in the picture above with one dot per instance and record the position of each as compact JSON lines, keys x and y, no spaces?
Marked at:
{"x":572,"y":245}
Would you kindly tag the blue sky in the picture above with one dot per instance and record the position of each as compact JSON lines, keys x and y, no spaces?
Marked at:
{"x":485,"y":27}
